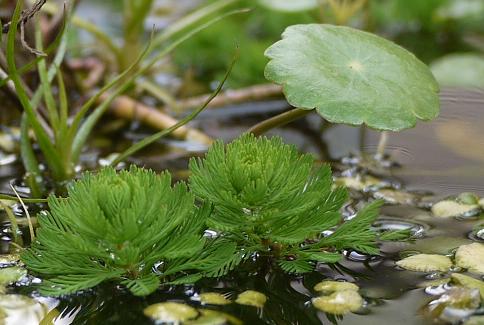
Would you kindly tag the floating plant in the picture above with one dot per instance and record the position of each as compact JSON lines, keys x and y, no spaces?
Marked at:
{"x":338,"y":297}
{"x":426,"y":263}
{"x":122,"y":226}
{"x":464,"y":205}
{"x":251,"y":298}
{"x":268,"y":199}
{"x":179,"y":313}
{"x":170,"y":312}
{"x":214,"y":298}
{"x":10,"y":275}
{"x":468,"y":282}
{"x":471,"y":257}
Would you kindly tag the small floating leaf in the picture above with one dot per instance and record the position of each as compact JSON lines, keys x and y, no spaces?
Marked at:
{"x":331,"y":286}
{"x":396,"y":197}
{"x":360,"y":182}
{"x":449,"y":209}
{"x":426,"y":263}
{"x":9,"y":275}
{"x":251,"y":298}
{"x":339,"y":303}
{"x":352,"y":77}
{"x":471,"y":257}
{"x":469,"y":282}
{"x":170,"y":312}
{"x":434,"y":283}
{"x":213,"y":317}
{"x":213,"y":298}
{"x":9,"y":260}
{"x":18,"y":309}
{"x":467,"y":198}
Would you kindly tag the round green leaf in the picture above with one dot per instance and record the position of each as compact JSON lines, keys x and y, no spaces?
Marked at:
{"x":290,"y":6}
{"x":352,"y":77}
{"x":460,"y":70}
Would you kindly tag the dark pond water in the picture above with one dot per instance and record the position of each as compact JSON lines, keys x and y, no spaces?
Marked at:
{"x":435,"y":159}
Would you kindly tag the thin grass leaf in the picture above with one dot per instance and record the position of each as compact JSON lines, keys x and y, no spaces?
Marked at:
{"x":155,"y":137}
{"x":45,"y":143}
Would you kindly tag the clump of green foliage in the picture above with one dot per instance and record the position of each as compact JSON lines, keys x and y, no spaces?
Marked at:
{"x":119,"y":227}
{"x":268,"y":199}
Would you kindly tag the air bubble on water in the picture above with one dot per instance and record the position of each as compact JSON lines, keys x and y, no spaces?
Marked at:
{"x":477,"y":235}
{"x":210,"y":233}
{"x":436,"y":290}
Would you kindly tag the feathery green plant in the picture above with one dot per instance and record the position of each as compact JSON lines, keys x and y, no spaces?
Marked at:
{"x":123,"y":227}
{"x":268,"y":199}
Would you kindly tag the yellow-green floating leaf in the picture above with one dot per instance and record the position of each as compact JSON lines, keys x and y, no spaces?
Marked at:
{"x":332,"y":286}
{"x":469,"y":282}
{"x":251,"y":298}
{"x":339,"y":303}
{"x":471,"y":257}
{"x":18,"y":309}
{"x":214,"y":298}
{"x":9,"y":275}
{"x":449,"y":209}
{"x":170,"y":312}
{"x":426,"y":263}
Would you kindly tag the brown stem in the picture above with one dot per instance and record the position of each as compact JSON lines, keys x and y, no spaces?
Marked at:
{"x":127,"y":108}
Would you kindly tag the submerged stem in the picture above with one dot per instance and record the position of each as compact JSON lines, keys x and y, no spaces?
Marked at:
{"x":279,"y":120}
{"x":382,"y":144}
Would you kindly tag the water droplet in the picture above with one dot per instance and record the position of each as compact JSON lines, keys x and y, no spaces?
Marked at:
{"x":477,"y":235}
{"x":436,"y":290}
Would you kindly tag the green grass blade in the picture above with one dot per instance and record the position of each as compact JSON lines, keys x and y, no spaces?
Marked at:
{"x":43,"y":139}
{"x":45,"y":84}
{"x":190,"y":19}
{"x":83,"y":133}
{"x":32,"y":64}
{"x":149,"y":140}
{"x":29,"y":159}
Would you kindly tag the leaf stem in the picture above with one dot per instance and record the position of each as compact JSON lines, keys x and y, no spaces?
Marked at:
{"x":382,"y":144}
{"x":279,"y":120}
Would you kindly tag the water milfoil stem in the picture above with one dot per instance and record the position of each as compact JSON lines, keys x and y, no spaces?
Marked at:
{"x":279,"y":120}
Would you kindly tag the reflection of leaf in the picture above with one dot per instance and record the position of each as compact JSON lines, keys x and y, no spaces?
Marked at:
{"x":290,"y":5}
{"x":460,"y":70}
{"x":352,"y":77}
{"x":464,"y":139}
